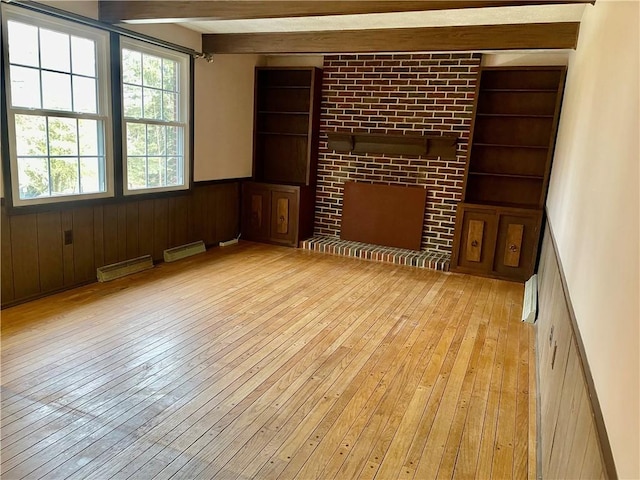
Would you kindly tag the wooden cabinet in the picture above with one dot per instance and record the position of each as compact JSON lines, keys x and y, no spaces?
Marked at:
{"x":284,"y":215}
{"x":501,"y":242}
{"x":509,"y":162}
{"x":256,"y":209}
{"x":278,"y":204}
{"x":517,"y":243}
{"x":275,"y":213}
{"x":477,"y":226}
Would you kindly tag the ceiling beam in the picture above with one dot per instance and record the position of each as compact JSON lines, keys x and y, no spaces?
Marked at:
{"x":150,"y":11}
{"x":528,"y":36}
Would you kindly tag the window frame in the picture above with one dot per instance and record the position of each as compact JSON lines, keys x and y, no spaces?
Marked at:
{"x":185,"y":109}
{"x":104,"y":114}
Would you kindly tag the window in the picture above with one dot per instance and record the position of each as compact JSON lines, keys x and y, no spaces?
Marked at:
{"x":155,"y":108}
{"x":58,"y":109}
{"x":59,"y":97}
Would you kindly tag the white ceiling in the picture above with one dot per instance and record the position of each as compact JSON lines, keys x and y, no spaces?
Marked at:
{"x":433,"y":18}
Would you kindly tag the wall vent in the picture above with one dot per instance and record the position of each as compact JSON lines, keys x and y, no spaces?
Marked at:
{"x":121,"y":269}
{"x":530,"y":302}
{"x":183,"y":251}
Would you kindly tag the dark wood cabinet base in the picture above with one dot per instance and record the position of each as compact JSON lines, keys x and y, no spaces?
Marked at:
{"x":277,"y":214}
{"x":500,"y":242}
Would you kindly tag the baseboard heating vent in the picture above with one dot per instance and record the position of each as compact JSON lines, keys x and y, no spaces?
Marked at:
{"x":122,"y":269}
{"x":183,"y":251}
{"x":530,"y":302}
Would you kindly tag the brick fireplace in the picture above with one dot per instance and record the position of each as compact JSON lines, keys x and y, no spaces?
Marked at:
{"x":397,"y":94}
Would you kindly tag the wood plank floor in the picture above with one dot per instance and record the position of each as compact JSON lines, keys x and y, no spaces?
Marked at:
{"x":260,"y":362}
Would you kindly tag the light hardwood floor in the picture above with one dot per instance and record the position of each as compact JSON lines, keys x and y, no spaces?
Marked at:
{"x":264,"y":362}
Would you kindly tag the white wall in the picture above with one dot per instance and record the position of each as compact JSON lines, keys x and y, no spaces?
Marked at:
{"x":593,"y":207}
{"x":224,"y":95}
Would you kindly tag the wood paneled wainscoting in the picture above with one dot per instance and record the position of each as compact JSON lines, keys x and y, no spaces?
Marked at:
{"x":37,"y":259}
{"x":264,"y":362}
{"x":573,"y":439}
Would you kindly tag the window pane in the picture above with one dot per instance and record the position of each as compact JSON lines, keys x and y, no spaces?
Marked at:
{"x":89,"y":137}
{"x":173,"y":140}
{"x":55,"y":52}
{"x":169,"y":107}
{"x":56,"y":91}
{"x":23,"y":44}
{"x":132,"y":101}
{"x":155,"y":140}
{"x":31,"y":135}
{"x":136,"y":172}
{"x":33,"y":177}
{"x":83,"y":56}
{"x":151,"y":71}
{"x":152,"y":100}
{"x":84,"y":95}
{"x":25,"y":87}
{"x":90,"y":175}
{"x":63,"y":136}
{"x":156,"y":173}
{"x":64,"y":176}
{"x":174,"y":171}
{"x":136,"y":139}
{"x":169,"y":70}
{"x":131,"y":67}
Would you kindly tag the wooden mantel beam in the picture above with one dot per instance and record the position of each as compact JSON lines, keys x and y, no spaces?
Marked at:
{"x":141,"y":11}
{"x":529,"y":36}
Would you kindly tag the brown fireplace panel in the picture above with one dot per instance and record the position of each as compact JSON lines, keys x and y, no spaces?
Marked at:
{"x":386,"y":215}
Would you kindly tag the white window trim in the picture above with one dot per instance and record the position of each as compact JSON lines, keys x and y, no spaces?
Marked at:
{"x":103,"y":98}
{"x":184,"y":81}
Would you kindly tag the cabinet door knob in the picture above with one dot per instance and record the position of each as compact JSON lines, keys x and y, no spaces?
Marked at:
{"x":513,"y":248}
{"x":474,"y":243}
{"x":282,"y":218}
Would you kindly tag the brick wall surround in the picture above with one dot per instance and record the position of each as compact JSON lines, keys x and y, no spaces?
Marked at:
{"x":397,"y":94}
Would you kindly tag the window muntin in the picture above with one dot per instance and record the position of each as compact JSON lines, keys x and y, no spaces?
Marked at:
{"x":58,"y":109}
{"x":155,"y":107}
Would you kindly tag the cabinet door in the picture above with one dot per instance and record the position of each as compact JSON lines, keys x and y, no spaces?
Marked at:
{"x":284,"y":217}
{"x":256,"y":211}
{"x":517,"y":244}
{"x":474,"y":252}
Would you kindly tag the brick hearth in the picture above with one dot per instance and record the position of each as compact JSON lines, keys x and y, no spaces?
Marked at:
{"x":366,"y":251}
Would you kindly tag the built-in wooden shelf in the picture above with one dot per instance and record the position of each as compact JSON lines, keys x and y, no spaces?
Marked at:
{"x":284,"y":133}
{"x":507,"y":172}
{"x":286,"y":87}
{"x":520,"y":90}
{"x":501,"y":145}
{"x":278,"y":205}
{"x":429,"y":146}
{"x":508,"y":175}
{"x":515,"y":115}
{"x":273,"y":112}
